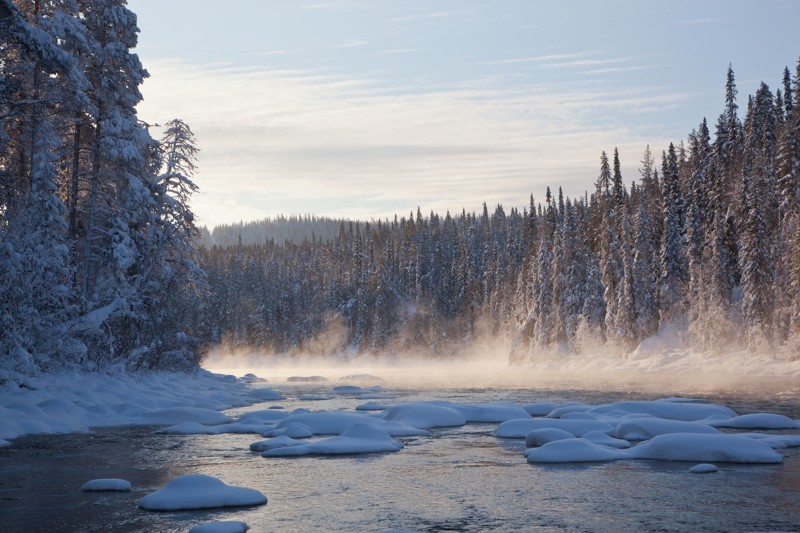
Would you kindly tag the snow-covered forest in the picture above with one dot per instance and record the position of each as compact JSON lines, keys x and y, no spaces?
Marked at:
{"x":705,"y":243}
{"x":100,"y":263}
{"x":96,"y":234}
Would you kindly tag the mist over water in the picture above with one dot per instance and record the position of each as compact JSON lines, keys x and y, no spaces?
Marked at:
{"x":667,"y":371}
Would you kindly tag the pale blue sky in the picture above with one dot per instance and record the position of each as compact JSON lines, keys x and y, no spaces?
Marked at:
{"x":368,"y":108}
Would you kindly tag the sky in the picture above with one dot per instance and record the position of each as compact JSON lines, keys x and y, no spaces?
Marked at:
{"x":369,"y":108}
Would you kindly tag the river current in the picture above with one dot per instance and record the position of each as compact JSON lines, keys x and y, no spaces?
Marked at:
{"x":456,"y":479}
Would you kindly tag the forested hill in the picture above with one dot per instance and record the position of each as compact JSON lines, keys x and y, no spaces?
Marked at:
{"x":706,"y":240}
{"x":280,"y":229}
{"x":96,"y":235}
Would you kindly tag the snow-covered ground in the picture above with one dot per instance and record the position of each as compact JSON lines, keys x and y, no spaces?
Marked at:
{"x":76,"y":402}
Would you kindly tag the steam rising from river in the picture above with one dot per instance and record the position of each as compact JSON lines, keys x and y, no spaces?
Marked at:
{"x":657,"y":365}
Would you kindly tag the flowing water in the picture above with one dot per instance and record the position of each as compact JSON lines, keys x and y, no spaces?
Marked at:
{"x":456,"y":479}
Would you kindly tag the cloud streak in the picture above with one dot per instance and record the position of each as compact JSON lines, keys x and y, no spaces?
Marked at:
{"x":304,"y":141}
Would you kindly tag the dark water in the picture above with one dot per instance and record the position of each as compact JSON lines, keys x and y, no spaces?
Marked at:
{"x":460,"y":479}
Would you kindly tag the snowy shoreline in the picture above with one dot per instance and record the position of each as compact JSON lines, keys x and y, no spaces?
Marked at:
{"x":77,"y":402}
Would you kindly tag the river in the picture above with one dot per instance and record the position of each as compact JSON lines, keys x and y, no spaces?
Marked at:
{"x":456,"y":479}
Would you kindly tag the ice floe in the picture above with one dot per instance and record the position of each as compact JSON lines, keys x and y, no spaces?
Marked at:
{"x":197,"y":491}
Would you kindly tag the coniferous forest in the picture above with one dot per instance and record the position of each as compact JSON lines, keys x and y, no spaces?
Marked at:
{"x":96,"y":235}
{"x":101,"y":263}
{"x":704,"y":242}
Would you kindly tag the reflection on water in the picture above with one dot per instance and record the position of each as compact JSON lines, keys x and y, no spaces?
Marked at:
{"x":456,"y":479}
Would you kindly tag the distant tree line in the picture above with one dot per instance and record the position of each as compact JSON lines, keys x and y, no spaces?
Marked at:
{"x":96,"y":237}
{"x":705,"y":243}
{"x":292,"y":228}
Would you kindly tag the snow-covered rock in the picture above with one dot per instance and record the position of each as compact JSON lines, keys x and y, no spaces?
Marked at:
{"x":371,"y":406}
{"x":107,"y":485}
{"x":647,"y":428}
{"x":686,"y":411}
{"x":252,"y":378}
{"x":602,"y":438}
{"x":489,"y":412}
{"x":540,"y":437}
{"x":703,"y":468}
{"x":519,"y":429}
{"x":757,"y":421}
{"x":275,"y":442}
{"x":573,"y":450}
{"x":307,"y":379}
{"x":358,"y":439}
{"x":425,"y":415}
{"x":221,"y":527}
{"x":197,"y":491}
{"x":176,"y":415}
{"x":720,"y":448}
{"x":541,"y":408}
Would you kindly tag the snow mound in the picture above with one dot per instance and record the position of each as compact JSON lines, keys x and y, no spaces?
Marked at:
{"x":319,"y":423}
{"x":603,"y":439}
{"x":568,"y":409}
{"x":703,"y":468}
{"x":775,"y":441}
{"x":189,"y":428}
{"x":541,"y":408}
{"x":685,"y":411}
{"x":424,"y":415}
{"x":109,"y":484}
{"x":647,"y":428}
{"x":572,"y":451}
{"x":293,"y":430}
{"x":540,"y":437}
{"x":376,"y":396}
{"x":358,"y":439}
{"x":720,"y":448}
{"x":336,"y":423}
{"x":275,"y":442}
{"x":197,"y":491}
{"x":757,"y":421}
{"x":252,"y":378}
{"x":519,"y":429}
{"x":371,"y":406}
{"x":307,"y":379}
{"x":221,"y":527}
{"x":490,"y":412}
{"x":260,"y":394}
{"x":176,"y":415}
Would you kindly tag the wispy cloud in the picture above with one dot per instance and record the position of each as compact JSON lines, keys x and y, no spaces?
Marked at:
{"x":536,"y":59}
{"x":616,"y":70}
{"x":392,"y":51}
{"x":300,"y":141}
{"x":351,"y":43}
{"x":433,"y":15}
{"x":581,"y":63}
